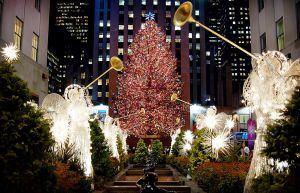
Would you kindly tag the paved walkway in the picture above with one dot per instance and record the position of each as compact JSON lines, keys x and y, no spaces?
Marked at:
{"x":194,"y":187}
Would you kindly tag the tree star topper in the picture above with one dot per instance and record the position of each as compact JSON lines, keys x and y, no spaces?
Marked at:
{"x":149,"y":16}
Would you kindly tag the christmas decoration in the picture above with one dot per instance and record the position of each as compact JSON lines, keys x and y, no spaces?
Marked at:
{"x":267,"y":89}
{"x":111,"y":130}
{"x":148,"y":81}
{"x":10,"y":53}
{"x":70,"y":116}
{"x":217,"y":127}
{"x":149,"y":16}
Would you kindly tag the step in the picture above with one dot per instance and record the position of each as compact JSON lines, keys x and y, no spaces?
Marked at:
{"x":134,"y":189}
{"x":141,"y":172}
{"x":159,"y":183}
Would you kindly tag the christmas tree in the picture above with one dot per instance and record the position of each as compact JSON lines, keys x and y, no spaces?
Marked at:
{"x":148,"y":81}
{"x":25,"y":139}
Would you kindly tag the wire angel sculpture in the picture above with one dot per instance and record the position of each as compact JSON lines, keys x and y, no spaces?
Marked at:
{"x":70,"y":116}
{"x":267,"y":89}
{"x":111,"y":129}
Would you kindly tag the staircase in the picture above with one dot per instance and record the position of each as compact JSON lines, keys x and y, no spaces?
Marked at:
{"x":127,"y":183}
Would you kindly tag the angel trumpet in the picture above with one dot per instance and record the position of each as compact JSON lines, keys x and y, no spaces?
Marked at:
{"x":184,"y":14}
{"x":116,"y":64}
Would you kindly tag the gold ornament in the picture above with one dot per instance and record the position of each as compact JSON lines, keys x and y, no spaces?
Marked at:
{"x":116,"y":63}
{"x":174,"y":97}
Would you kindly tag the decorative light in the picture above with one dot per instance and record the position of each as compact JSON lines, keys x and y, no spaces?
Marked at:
{"x":229,"y":123}
{"x":211,"y":119}
{"x":187,"y":147}
{"x":219,"y":142}
{"x":149,"y":16}
{"x":269,"y":85}
{"x":10,"y":52}
{"x":188,"y":136}
{"x":70,"y":116}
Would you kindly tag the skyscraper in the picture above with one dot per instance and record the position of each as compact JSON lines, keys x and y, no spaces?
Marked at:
{"x":228,"y":67}
{"x":69,"y":34}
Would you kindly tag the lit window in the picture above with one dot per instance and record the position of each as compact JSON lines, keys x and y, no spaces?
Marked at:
{"x":34,"y":49}
{"x":107,"y":94}
{"x":130,"y":27}
{"x":143,"y":2}
{"x":121,"y":27}
{"x":18,"y":33}
{"x":197,"y":12}
{"x":197,"y":35}
{"x":99,"y":94}
{"x":120,"y":38}
{"x":177,"y":3}
{"x":100,"y":82}
{"x":130,"y":14}
{"x":121,"y":2}
{"x":207,"y":53}
{"x":280,"y":34}
{"x":101,"y":23}
{"x":190,"y":35}
{"x":168,"y":3}
{"x":155,"y":2}
{"x":177,"y":28}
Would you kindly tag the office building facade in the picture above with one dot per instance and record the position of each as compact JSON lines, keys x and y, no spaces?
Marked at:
{"x":275,"y":25}
{"x":25,"y":23}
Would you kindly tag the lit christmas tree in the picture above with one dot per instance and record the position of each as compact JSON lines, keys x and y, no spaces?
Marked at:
{"x":148,"y":81}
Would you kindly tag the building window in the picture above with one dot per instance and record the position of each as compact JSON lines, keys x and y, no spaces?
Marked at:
{"x":34,"y":49}
{"x":280,"y":34}
{"x":18,"y":33}
{"x":298,"y":18}
{"x":37,"y":4}
{"x":261,"y":5}
{"x":263,"y":42}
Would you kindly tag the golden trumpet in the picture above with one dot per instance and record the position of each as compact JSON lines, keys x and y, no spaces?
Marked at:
{"x":116,"y":64}
{"x":184,"y":14}
{"x":174,"y":97}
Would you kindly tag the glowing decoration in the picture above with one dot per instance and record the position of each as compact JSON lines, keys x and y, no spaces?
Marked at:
{"x":229,"y":123}
{"x":251,"y":124}
{"x":111,"y":129}
{"x":174,"y":135}
{"x":10,"y":53}
{"x":187,"y":147}
{"x":219,"y":142}
{"x":70,"y":116}
{"x":188,"y":136}
{"x":266,"y":90}
{"x":149,"y":16}
{"x":211,"y":119}
{"x":148,"y":81}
